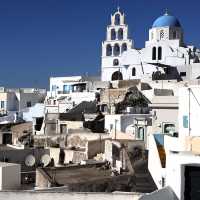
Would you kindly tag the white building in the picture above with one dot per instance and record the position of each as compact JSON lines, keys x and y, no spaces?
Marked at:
{"x":133,"y":124}
{"x":67,"y":92}
{"x":15,"y":102}
{"x":165,"y":55}
{"x":174,"y":160}
{"x":62,"y":85}
{"x":117,"y":41}
{"x":28,"y":97}
{"x":8,"y":102}
{"x":164,"y":114}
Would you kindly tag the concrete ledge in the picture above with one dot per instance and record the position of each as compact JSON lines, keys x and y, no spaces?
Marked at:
{"x":52,"y":195}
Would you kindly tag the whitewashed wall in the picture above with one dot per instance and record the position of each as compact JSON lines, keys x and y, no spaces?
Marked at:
{"x":175,"y":171}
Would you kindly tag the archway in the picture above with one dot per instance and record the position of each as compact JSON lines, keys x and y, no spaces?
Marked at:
{"x":117,"y":76}
{"x":124,"y":47}
{"x":117,"y":19}
{"x":116,"y":50}
{"x":120,"y":34}
{"x":108,"y":50}
{"x":113,"y":34}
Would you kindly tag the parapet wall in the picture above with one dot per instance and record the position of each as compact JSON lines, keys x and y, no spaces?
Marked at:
{"x":69,"y":196}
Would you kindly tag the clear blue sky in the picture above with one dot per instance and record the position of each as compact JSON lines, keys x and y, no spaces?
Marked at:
{"x":43,"y":38}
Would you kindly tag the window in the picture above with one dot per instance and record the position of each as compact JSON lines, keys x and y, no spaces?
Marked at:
{"x":115,"y":62}
{"x":133,"y":71}
{"x":39,"y":122}
{"x":104,"y":108}
{"x":124,"y":47}
{"x":116,"y":50}
{"x":117,"y":19}
{"x":159,"y":53}
{"x":2,"y":104}
{"x":28,"y":104}
{"x":67,"y":88}
{"x":108,"y":50}
{"x":169,"y":128}
{"x":63,"y":128}
{"x":185,"y":121}
{"x":140,"y":133}
{"x":182,"y":73}
{"x":120,"y":34}
{"x":162,"y":34}
{"x":113,"y":34}
{"x":154,"y":53}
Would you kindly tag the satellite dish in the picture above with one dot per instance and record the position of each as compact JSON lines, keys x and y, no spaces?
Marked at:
{"x":30,"y":161}
{"x":45,"y":160}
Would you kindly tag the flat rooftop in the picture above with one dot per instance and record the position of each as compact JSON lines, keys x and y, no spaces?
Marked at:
{"x":5,"y":148}
{"x":5,"y":164}
{"x":73,"y":175}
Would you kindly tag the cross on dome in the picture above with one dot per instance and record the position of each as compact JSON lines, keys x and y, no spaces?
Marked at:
{"x":118,"y":9}
{"x":166,"y":12}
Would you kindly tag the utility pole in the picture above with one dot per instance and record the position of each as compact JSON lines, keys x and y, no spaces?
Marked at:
{"x":189,"y":111}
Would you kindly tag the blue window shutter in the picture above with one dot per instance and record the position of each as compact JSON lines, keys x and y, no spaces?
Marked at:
{"x":185,"y":121}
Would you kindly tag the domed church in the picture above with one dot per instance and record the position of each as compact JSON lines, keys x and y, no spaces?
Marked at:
{"x":164,"y":57}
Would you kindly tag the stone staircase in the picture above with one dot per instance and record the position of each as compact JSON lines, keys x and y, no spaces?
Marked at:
{"x":143,"y":181}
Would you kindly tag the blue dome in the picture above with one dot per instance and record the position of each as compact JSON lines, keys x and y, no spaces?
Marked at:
{"x":166,"y":20}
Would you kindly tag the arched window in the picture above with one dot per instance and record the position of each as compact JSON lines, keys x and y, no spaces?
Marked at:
{"x":162,"y":34}
{"x":116,"y":50}
{"x":108,"y":50}
{"x":117,"y":19}
{"x":124,"y":47}
{"x":113,"y":34}
{"x":120,"y":34}
{"x":115,"y":62}
{"x":154,"y":53}
{"x":159,"y":53}
{"x":133,"y":71}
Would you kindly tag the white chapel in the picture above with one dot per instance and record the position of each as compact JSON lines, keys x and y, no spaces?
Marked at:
{"x":165,"y":55}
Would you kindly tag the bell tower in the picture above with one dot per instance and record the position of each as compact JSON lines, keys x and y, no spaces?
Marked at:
{"x":117,"y":41}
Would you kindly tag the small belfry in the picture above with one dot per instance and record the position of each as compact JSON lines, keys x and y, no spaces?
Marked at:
{"x":116,"y":43}
{"x":164,"y":56}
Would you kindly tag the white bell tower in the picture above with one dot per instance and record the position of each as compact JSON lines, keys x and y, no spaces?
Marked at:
{"x":117,"y":41}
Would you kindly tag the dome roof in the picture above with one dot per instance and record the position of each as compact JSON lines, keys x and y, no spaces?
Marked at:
{"x":166,"y":20}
